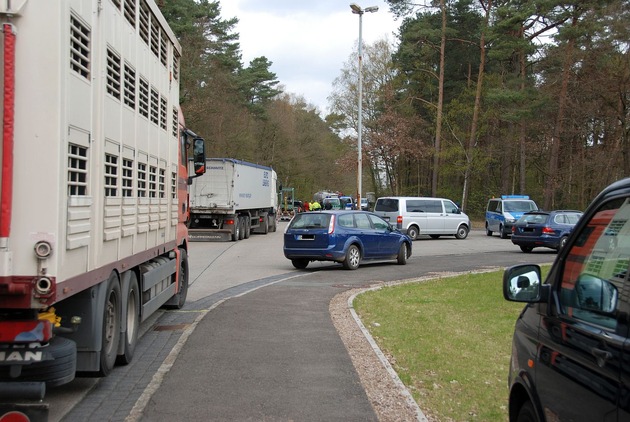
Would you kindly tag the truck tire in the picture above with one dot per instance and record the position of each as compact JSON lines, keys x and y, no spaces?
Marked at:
{"x":55,"y":372}
{"x":241,"y":232}
{"x":132,"y":314}
{"x":265,"y":225}
{"x":236,"y":231}
{"x":180,"y":296}
{"x":248,"y":227}
{"x":111,"y":326}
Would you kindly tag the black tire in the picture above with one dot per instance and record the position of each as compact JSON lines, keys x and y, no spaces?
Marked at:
{"x":488,"y":232}
{"x":265,"y":225}
{"x":111,"y":326}
{"x":300,"y":264}
{"x":563,"y":242}
{"x":59,"y":371}
{"x":413,"y":232}
{"x":527,"y":413}
{"x":403,"y":253}
{"x":353,"y":258}
{"x":236,"y":232}
{"x":462,"y":232}
{"x":502,"y":233}
{"x":132,"y":314}
{"x":434,"y":236}
{"x":241,"y":231}
{"x":180,"y":296}
{"x":248,"y":227}
{"x":527,"y":249}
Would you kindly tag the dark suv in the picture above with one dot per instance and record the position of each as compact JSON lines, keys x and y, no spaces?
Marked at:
{"x":571,"y":350}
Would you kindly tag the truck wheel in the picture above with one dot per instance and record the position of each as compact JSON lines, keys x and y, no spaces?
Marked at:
{"x":236,"y":232}
{"x":248,"y":227}
{"x":180,"y":296}
{"x":241,"y":232}
{"x":266,"y":225}
{"x":132,"y":314}
{"x":54,"y":372}
{"x":111,"y":326}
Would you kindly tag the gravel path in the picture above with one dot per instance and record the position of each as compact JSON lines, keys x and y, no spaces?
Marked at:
{"x":389,"y":397}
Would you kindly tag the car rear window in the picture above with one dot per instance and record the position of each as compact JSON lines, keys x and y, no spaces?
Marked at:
{"x":386,"y":205}
{"x":310,"y":221}
{"x":535,"y":218}
{"x":519,"y":206}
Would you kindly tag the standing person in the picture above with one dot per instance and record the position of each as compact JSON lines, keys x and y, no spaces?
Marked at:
{"x":306,"y":206}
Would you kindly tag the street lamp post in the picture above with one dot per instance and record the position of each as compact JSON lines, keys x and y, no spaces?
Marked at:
{"x":356,"y":9}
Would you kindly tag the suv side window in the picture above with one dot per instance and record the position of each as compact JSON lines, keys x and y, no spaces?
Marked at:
{"x":494,"y":205}
{"x":596,"y":268}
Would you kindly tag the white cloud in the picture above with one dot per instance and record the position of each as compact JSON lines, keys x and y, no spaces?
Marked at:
{"x":307,"y":41}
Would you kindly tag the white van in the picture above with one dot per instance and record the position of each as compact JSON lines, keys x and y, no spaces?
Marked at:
{"x":427,"y":216}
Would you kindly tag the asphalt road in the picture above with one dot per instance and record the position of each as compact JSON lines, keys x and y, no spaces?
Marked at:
{"x":245,"y":302}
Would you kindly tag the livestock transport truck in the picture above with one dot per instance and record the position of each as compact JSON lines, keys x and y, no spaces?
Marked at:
{"x":93,"y":235}
{"x":231,"y":200}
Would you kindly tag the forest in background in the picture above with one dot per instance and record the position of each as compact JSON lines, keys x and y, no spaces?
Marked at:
{"x":474,"y":99}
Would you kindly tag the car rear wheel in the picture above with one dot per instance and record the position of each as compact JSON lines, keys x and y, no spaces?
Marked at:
{"x":300,"y":264}
{"x":462,"y":232}
{"x":413,"y":232}
{"x":527,"y":249}
{"x":403,"y":253}
{"x":563,"y":242}
{"x":353,"y":258}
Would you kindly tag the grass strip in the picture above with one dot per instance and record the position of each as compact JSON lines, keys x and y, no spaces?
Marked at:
{"x":449,"y":340}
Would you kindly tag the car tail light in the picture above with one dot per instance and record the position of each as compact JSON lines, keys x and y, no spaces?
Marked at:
{"x":548,"y":230}
{"x":331,"y":225}
{"x":513,"y":229}
{"x":399,"y":219}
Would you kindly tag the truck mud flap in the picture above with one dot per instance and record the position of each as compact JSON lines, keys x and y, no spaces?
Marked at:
{"x":209,"y":236}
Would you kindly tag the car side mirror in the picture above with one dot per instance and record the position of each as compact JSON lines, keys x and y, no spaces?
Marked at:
{"x":522,"y":283}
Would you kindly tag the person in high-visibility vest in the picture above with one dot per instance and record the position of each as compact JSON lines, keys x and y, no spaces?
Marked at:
{"x":315,"y":206}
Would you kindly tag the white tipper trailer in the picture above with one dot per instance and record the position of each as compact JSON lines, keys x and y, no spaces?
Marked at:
{"x":231,"y":200}
{"x":93,"y":188}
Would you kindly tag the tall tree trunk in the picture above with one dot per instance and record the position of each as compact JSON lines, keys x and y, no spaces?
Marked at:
{"x":475,"y":120}
{"x":523,"y":130}
{"x":554,"y":157}
{"x":438,"y":120}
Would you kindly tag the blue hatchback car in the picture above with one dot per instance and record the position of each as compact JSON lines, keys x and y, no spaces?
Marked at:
{"x":548,"y":229}
{"x":347,"y":237}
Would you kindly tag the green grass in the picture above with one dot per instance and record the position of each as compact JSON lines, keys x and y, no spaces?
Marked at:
{"x":449,"y":340}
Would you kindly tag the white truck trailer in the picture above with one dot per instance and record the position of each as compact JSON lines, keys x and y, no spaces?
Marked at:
{"x":231,"y":200}
{"x":94,"y":200}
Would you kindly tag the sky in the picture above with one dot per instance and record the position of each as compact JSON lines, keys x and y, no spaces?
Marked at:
{"x":307,"y":41}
